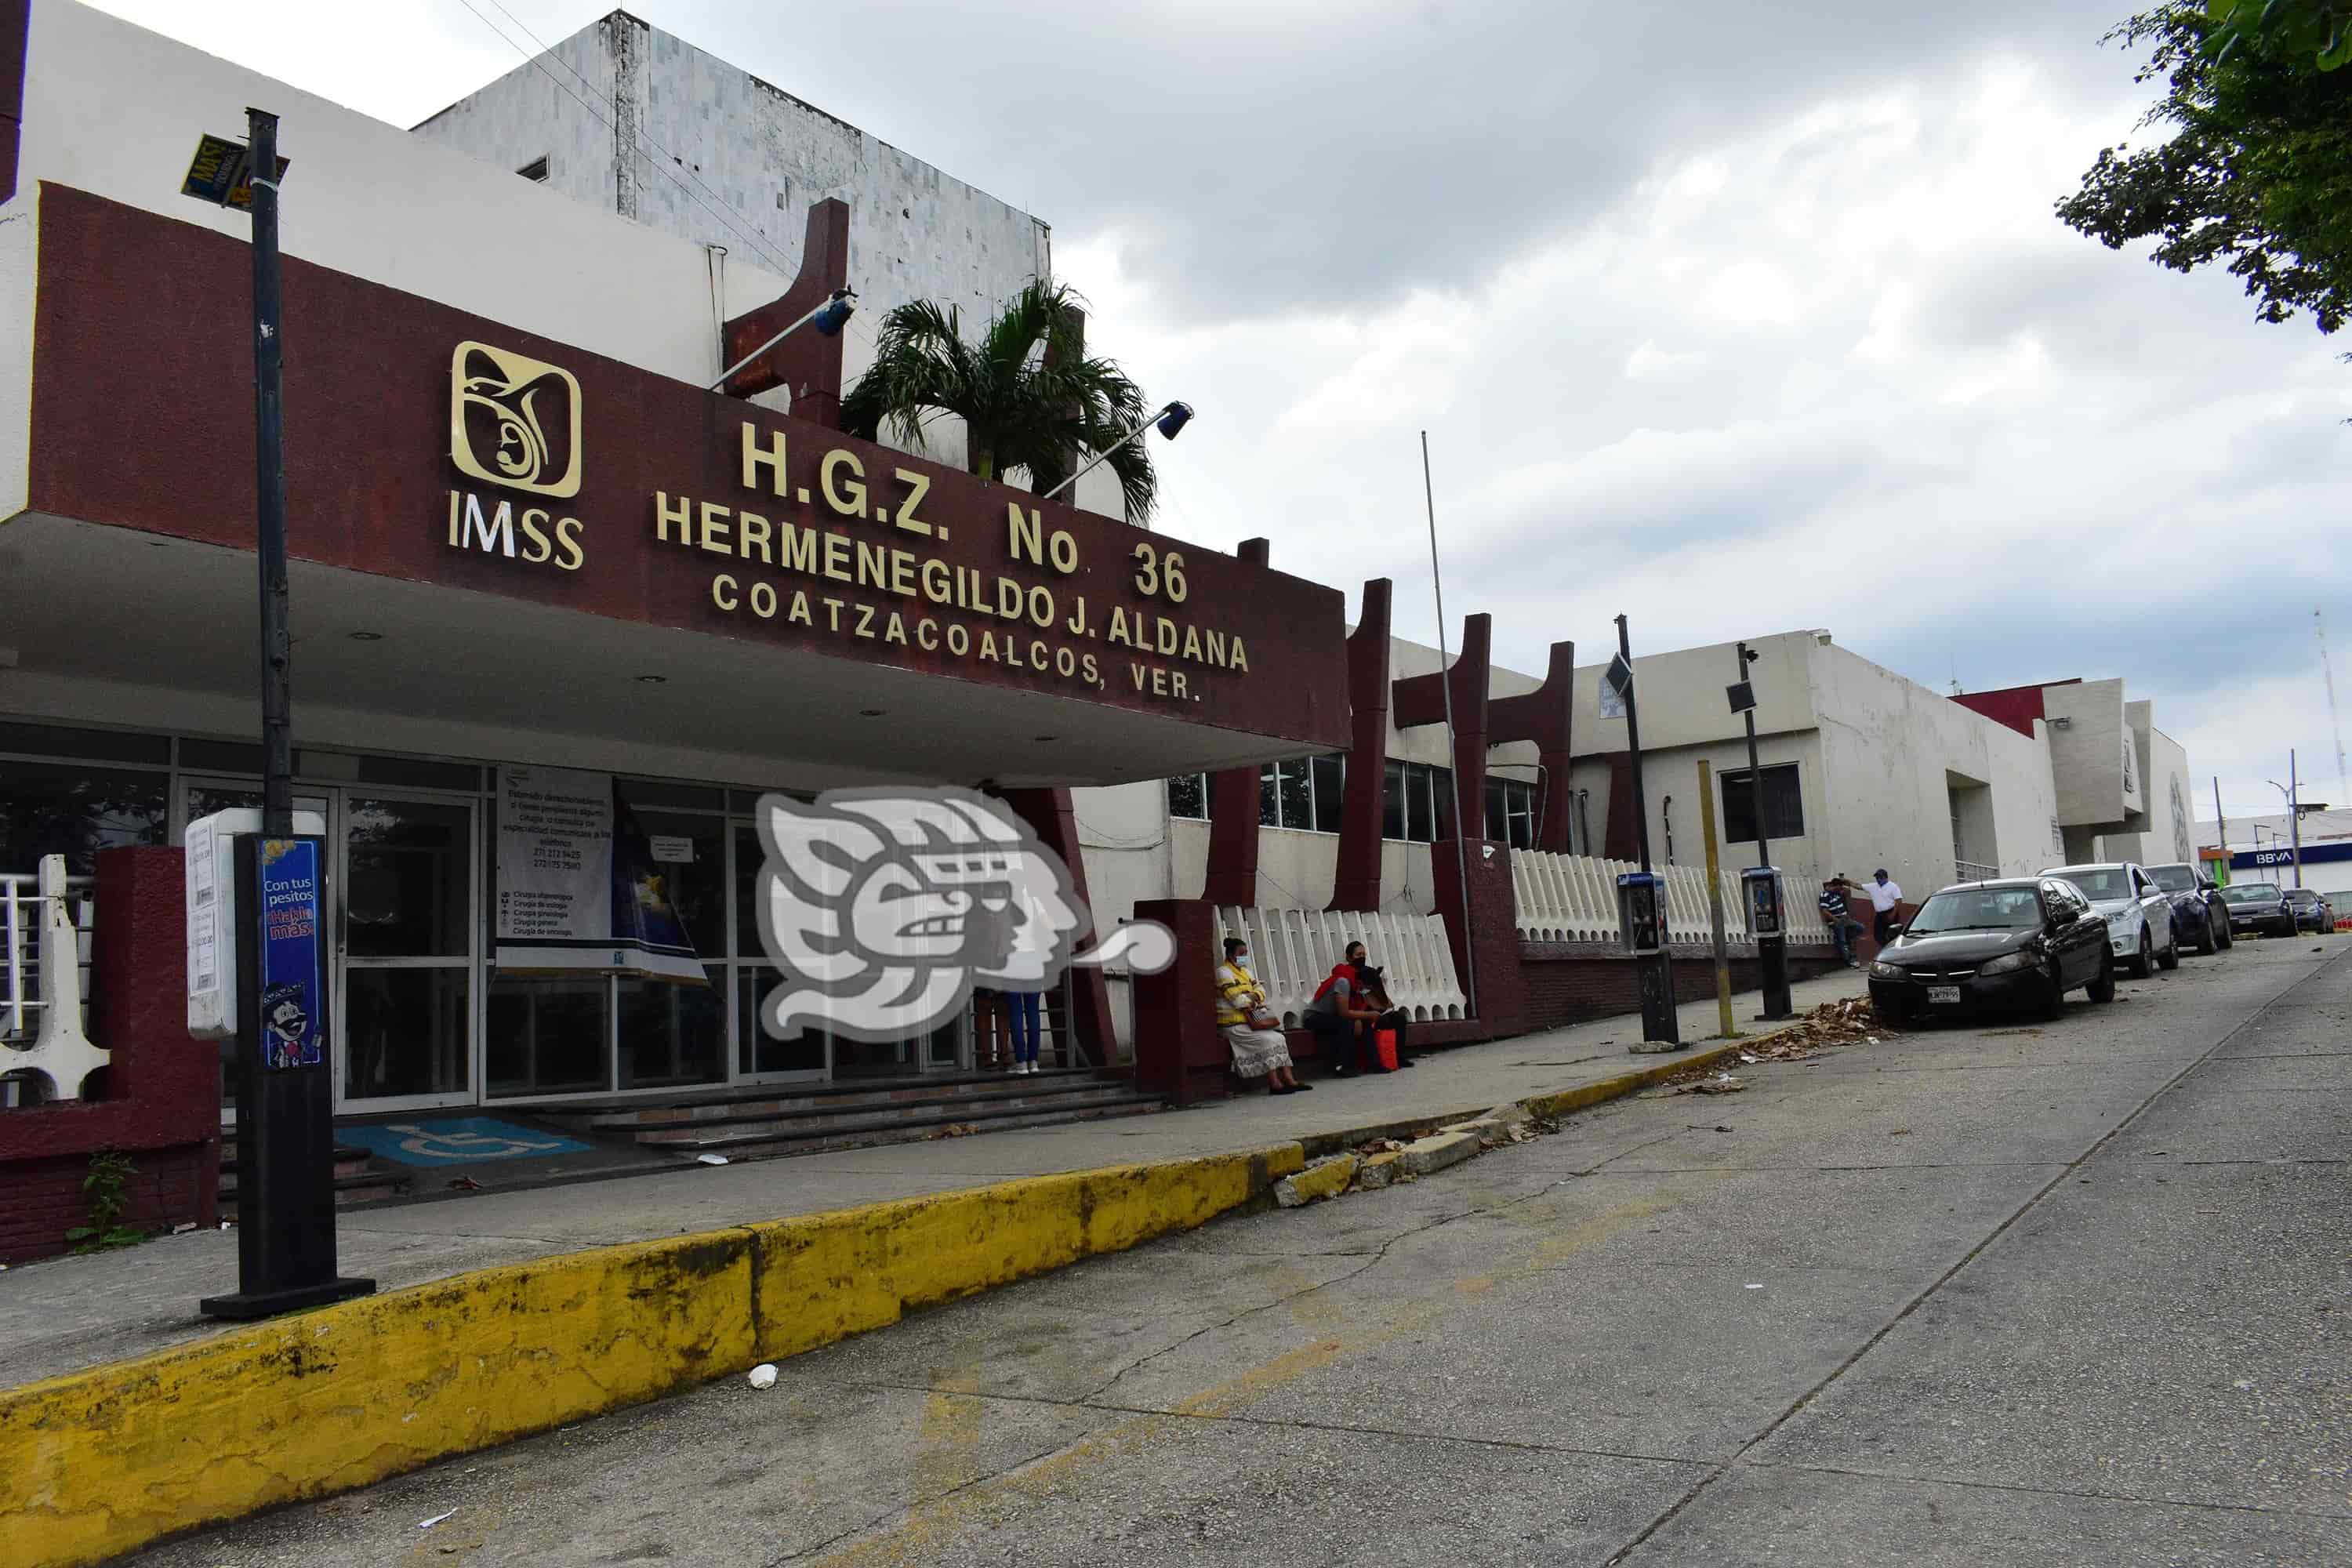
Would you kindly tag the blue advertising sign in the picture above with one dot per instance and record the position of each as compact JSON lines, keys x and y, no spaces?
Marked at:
{"x":293,"y":1011}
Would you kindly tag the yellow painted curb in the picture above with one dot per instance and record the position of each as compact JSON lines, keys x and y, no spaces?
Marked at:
{"x":103,"y":1461}
{"x":1589,"y":1094}
{"x":1328,"y":1179}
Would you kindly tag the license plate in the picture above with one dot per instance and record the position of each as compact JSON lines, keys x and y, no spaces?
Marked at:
{"x":1943,"y":995}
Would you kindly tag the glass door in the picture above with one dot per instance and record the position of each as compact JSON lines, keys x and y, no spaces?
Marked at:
{"x":406,"y":942}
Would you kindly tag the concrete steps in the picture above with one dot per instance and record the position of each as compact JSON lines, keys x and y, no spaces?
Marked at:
{"x":358,"y":1179}
{"x":768,"y":1122}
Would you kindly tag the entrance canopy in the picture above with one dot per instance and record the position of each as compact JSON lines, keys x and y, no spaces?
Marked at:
{"x":174,"y":616}
{"x":496,"y":530}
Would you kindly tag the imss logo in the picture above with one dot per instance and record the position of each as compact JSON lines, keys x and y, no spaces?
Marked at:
{"x":514,"y":421}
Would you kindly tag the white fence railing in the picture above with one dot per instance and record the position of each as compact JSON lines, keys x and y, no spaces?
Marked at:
{"x":1974,"y":872}
{"x":1573,"y":898}
{"x":1292,"y":950}
{"x":46,"y":921}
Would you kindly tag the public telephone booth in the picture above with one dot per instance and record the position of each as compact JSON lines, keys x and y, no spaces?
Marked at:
{"x":1640,"y":912}
{"x":1767,"y":900}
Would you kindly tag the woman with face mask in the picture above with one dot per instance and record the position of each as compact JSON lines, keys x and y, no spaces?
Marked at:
{"x":1248,"y":1025}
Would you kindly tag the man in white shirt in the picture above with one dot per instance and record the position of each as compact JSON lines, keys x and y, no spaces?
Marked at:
{"x":1885,"y":895}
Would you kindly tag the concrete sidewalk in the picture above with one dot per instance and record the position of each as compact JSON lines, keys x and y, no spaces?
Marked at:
{"x":73,"y":1313}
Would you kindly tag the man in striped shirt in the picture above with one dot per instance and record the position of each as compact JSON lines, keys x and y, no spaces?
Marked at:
{"x":1838,"y":918}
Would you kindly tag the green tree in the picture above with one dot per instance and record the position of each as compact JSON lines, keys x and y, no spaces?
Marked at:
{"x":2257,"y":174}
{"x":1027,"y":394}
{"x":2322,"y":29}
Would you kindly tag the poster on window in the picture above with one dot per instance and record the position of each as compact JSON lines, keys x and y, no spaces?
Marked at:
{"x":645,"y":923}
{"x":579,"y":891}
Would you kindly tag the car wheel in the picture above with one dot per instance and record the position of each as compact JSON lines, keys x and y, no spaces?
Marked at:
{"x":2141,"y":966}
{"x":2054,"y":992}
{"x":2206,"y":944}
{"x":2170,"y":957}
{"x":2103,"y":989}
{"x":2223,"y":937}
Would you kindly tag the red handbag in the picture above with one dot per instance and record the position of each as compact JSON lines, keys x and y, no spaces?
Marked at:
{"x":1384,"y":1048}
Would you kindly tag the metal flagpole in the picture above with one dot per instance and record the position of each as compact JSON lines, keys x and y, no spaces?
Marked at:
{"x":1445,"y":689}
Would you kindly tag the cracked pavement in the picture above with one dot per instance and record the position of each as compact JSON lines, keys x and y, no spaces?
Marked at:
{"x":2075,"y":1293}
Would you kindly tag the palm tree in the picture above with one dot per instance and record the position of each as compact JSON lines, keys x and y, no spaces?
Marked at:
{"x":1027,"y":394}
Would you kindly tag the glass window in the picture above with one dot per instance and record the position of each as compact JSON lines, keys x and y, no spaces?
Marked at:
{"x":406,"y":879}
{"x":1269,"y":797}
{"x":59,"y":808}
{"x":405,"y":1032}
{"x":459,"y":778}
{"x":1298,"y":802}
{"x":1331,"y":781}
{"x":221,"y":756}
{"x":1420,"y":805}
{"x":805,"y":1052}
{"x":1511,"y":812}
{"x":96,"y":745}
{"x":642,"y":793}
{"x":547,"y":1034}
{"x":1188,"y":797}
{"x":690,"y":859}
{"x":673,"y":1034}
{"x":1784,"y":805}
{"x":748,"y":858}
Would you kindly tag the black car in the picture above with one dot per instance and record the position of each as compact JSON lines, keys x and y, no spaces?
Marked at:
{"x":2021,"y":943}
{"x":2258,"y":907}
{"x":2311,"y":909}
{"x":2199,"y":919}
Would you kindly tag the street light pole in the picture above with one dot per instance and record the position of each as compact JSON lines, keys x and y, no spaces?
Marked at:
{"x":285,"y":1071}
{"x":1657,"y":973}
{"x":269,"y":478}
{"x":2294,"y":814}
{"x":1772,"y":947}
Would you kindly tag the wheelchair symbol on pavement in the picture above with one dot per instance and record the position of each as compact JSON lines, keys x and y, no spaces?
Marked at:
{"x":462,"y":1141}
{"x":456,"y":1145}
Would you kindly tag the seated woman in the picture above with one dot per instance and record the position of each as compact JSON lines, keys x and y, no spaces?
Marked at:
{"x":1257,"y":1052}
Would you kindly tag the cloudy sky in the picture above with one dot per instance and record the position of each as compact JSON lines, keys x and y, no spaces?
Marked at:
{"x":1731,"y":318}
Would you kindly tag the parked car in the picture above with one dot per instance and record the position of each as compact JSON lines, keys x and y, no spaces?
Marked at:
{"x":2198,"y":916}
{"x":2311,"y":909}
{"x":2138,"y":915}
{"x":2021,"y":941}
{"x":2258,"y":907}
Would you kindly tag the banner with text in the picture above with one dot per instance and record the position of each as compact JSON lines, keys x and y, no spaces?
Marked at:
{"x":579,"y":891}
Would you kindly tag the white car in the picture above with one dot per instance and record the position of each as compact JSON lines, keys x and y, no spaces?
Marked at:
{"x":2138,"y":912}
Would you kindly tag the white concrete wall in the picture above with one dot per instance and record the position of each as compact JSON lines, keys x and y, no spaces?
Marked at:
{"x":1890,"y":749}
{"x":713,"y":154}
{"x":1682,"y":699}
{"x":2088,"y":752}
{"x":116,"y":110}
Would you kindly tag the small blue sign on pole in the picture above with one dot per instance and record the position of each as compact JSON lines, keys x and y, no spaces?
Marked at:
{"x":293,"y":1016}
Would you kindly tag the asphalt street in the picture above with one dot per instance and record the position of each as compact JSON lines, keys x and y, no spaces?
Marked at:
{"x":2007,"y":1293}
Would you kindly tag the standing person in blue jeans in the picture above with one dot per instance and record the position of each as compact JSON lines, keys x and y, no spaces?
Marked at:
{"x":1021,"y":1005}
{"x":1838,"y":915}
